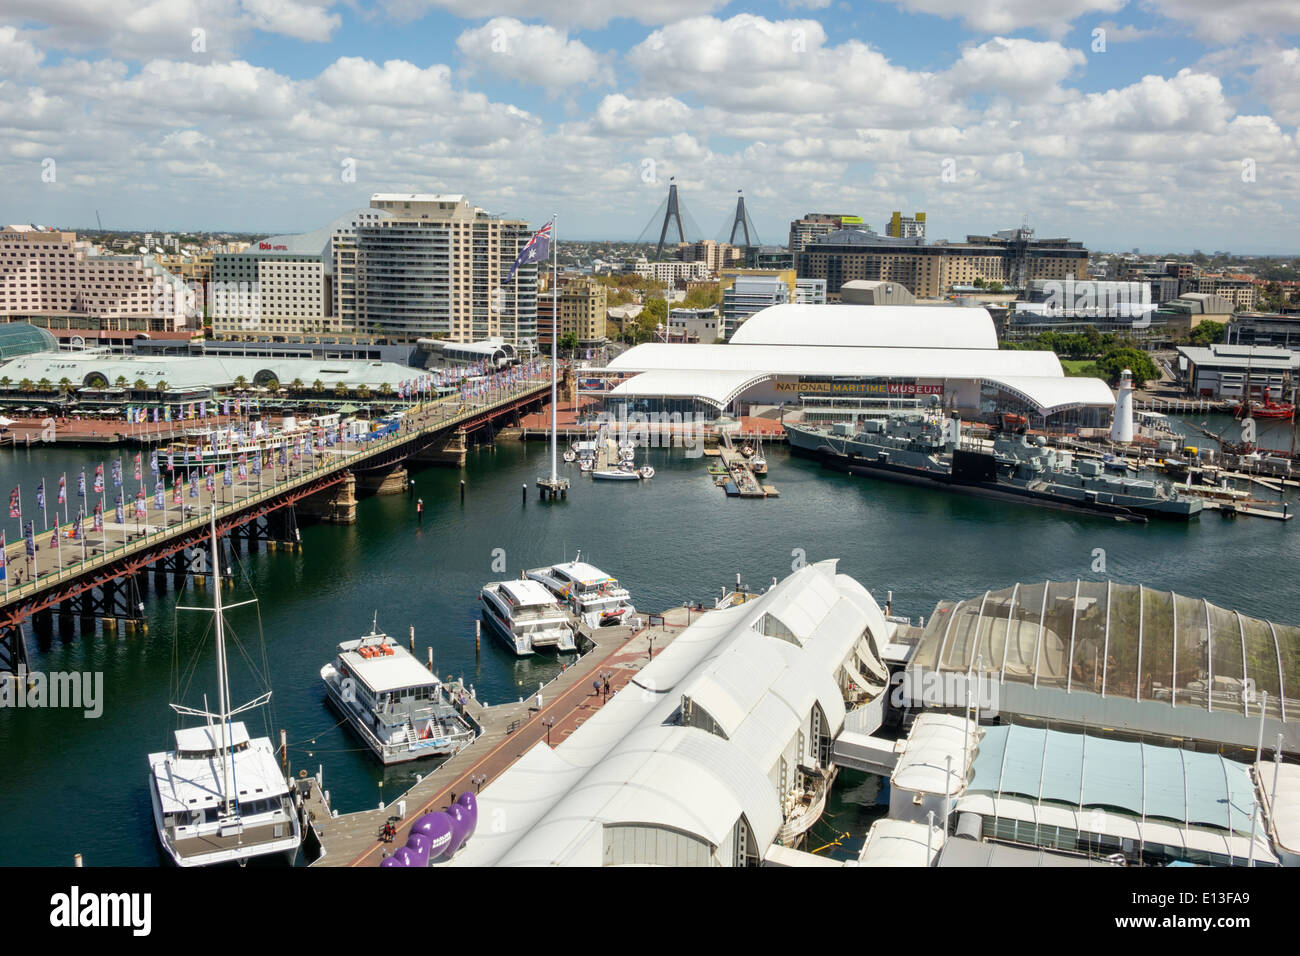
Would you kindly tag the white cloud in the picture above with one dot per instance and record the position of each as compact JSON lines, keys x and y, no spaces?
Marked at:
{"x":539,"y":55}
{"x":165,"y":28}
{"x":617,"y":113}
{"x":18,"y":55}
{"x":1016,"y":67}
{"x":1223,"y":23}
{"x":1277,"y":81}
{"x":579,"y":13}
{"x":1009,"y":16}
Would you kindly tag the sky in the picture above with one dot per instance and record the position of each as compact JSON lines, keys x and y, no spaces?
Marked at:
{"x":1164,"y":125}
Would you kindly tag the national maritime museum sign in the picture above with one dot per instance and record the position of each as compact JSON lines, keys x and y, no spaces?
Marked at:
{"x":814,"y":387}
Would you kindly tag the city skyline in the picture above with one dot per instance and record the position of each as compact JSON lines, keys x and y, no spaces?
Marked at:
{"x":278,"y":115}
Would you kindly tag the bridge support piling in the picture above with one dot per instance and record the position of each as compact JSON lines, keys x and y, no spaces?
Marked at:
{"x":450,"y":453}
{"x":334,"y":505}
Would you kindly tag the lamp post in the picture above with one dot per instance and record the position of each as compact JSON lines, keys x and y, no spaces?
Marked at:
{"x":548,"y":723}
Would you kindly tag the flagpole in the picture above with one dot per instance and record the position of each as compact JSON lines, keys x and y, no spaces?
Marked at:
{"x":4,"y":554}
{"x":555,"y":339}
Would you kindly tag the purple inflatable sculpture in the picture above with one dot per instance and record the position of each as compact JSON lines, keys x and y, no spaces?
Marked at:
{"x":437,"y":836}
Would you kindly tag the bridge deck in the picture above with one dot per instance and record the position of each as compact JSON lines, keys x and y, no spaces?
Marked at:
{"x":59,"y":563}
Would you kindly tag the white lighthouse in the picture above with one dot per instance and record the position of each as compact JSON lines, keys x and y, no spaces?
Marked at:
{"x":1121,"y":426}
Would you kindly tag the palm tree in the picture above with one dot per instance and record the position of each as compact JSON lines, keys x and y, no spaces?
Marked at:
{"x":385,"y":390}
{"x":120,"y":381}
{"x":316,"y":386}
{"x":296,"y":385}
{"x":363,"y":391}
{"x":65,"y":385}
{"x":4,"y":382}
{"x":341,"y":390}
{"x":25,"y":385}
{"x":140,"y":385}
{"x":272,"y":385}
{"x":241,"y":383}
{"x":44,"y":384}
{"x":162,"y":386}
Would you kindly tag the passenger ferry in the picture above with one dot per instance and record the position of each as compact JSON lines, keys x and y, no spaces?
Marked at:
{"x":392,"y":701}
{"x":220,"y":795}
{"x":527,"y":616}
{"x":595,"y":597}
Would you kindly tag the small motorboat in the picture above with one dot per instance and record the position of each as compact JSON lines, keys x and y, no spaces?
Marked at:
{"x":570,"y":456}
{"x":608,"y":618}
{"x":747,"y":450}
{"x":586,"y":465}
{"x":646,"y":471}
{"x":616,"y":474}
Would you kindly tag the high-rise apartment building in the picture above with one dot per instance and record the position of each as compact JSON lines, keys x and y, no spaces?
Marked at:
{"x":583,"y":306}
{"x":906,"y":227}
{"x":435,"y":267}
{"x":816,"y":224}
{"x":929,"y":270}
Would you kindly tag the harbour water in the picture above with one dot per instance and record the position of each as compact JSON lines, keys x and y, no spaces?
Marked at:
{"x":73,"y":785}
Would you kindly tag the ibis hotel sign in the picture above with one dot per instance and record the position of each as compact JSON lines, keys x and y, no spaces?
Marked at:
{"x":858,"y":388}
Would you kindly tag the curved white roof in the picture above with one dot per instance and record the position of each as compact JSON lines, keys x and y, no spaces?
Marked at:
{"x":923,"y":766}
{"x":631,"y":763}
{"x":200,"y":371}
{"x":1053,"y":394}
{"x":870,"y":326}
{"x":717,"y":388}
{"x":853,"y":362}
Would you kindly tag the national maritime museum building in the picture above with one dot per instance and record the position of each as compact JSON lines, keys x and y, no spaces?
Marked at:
{"x":842,"y":361}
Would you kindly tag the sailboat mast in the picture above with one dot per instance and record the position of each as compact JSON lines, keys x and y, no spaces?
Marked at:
{"x":223,"y":686}
{"x":555,"y":341}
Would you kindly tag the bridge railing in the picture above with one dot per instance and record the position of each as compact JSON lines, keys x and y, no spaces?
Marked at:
{"x":318,"y":466}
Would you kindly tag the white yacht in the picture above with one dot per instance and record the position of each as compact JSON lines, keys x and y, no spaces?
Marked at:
{"x":220,"y":796}
{"x":392,"y":701}
{"x":595,"y":597}
{"x":527,"y":616}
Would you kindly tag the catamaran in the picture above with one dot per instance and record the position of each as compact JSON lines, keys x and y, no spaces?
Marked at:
{"x":595,"y":597}
{"x":527,"y":616}
{"x":392,"y":701}
{"x":220,"y":796}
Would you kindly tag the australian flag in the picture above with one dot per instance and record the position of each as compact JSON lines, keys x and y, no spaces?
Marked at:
{"x":537,"y":250}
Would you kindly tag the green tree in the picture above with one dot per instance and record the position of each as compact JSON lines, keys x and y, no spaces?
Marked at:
{"x":162,"y":386}
{"x":363,"y":391}
{"x":26,"y":385}
{"x":704,"y":297}
{"x":1207,"y":333}
{"x":44,"y":384}
{"x":65,"y":385}
{"x":341,"y":390}
{"x":120,"y":381}
{"x":1110,"y":365}
{"x":4,"y":381}
{"x":140,"y":385}
{"x":272,"y":385}
{"x":316,"y":386}
{"x":241,"y":383}
{"x":385,"y":389}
